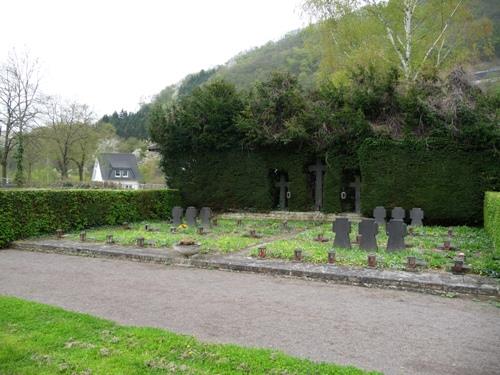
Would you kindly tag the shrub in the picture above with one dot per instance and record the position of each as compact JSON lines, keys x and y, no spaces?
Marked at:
{"x":26,"y":213}
{"x":447,"y":182}
{"x":492,"y":216}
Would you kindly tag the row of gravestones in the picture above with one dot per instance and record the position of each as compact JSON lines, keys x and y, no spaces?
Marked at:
{"x":398,"y":213}
{"x":367,"y":231}
{"x":369,"y":228}
{"x":191,"y":216}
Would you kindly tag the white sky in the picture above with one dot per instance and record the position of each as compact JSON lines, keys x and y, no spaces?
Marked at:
{"x":112,"y":54}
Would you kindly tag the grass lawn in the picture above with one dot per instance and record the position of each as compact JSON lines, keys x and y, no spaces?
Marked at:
{"x":40,"y":339}
{"x":226,"y":237}
{"x":473,"y":242}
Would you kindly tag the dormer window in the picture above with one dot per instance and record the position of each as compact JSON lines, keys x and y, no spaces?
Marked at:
{"x":121,"y":173}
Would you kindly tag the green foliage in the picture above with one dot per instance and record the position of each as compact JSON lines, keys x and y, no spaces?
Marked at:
{"x":202,"y":121}
{"x":228,"y":236}
{"x":272,"y":112}
{"x":238,"y":179}
{"x":492,"y":216}
{"x":40,"y":339}
{"x":27,"y":213}
{"x":447,"y":182}
{"x":130,"y":124}
{"x":473,"y":242}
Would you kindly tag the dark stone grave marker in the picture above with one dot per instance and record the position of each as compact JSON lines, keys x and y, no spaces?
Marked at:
{"x":191,"y":213}
{"x":380,"y":213}
{"x":206,"y":217}
{"x":368,"y":230}
{"x":318,"y":169}
{"x":417,"y":215}
{"x":398,"y":213}
{"x":396,"y":230}
{"x":342,"y":228}
{"x":177,"y":216}
{"x":283,"y":185}
{"x":357,"y":194}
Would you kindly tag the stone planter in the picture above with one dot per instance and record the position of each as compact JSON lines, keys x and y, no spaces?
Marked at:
{"x":187,"y":250}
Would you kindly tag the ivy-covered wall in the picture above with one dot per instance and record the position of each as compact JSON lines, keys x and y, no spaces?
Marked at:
{"x":27,"y":213}
{"x":447,"y":182}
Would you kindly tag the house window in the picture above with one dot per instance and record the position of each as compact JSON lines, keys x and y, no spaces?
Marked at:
{"x":118,"y":173}
{"x":124,"y":174}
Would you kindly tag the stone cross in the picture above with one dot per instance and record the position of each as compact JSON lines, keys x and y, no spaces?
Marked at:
{"x":318,"y":169}
{"x":191,"y":213}
{"x":206,"y":216}
{"x":416,"y":215}
{"x":342,"y":228}
{"x":283,"y":185}
{"x":396,"y":230}
{"x":379,"y":213}
{"x":177,"y":216}
{"x":398,"y":213}
{"x":357,"y":194}
{"x":368,"y":230}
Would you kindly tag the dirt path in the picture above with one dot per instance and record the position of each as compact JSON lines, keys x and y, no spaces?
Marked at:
{"x":395,"y":332}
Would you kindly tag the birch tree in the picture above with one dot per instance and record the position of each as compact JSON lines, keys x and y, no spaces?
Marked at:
{"x":414,"y":35}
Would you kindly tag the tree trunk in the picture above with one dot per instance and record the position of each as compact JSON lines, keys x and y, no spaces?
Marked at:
{"x":3,"y":180}
{"x":80,"y":172}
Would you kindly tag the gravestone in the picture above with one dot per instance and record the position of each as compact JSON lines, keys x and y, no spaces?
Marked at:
{"x":396,"y":230}
{"x":416,"y":215}
{"x":368,"y":230}
{"x":318,"y":169}
{"x":380,"y":213}
{"x":283,"y":185}
{"x":191,"y":213}
{"x":357,"y":194}
{"x":177,"y":216}
{"x":398,"y":213}
{"x":342,"y":228}
{"x":206,"y":216}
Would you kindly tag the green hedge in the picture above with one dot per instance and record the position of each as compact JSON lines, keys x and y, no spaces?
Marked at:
{"x":447,"y":182}
{"x":27,"y":213}
{"x":239,"y":179}
{"x":492,"y":216}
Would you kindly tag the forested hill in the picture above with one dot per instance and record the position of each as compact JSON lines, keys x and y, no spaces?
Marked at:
{"x":298,"y":52}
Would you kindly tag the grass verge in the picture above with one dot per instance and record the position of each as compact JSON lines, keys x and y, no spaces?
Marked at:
{"x":41,"y":339}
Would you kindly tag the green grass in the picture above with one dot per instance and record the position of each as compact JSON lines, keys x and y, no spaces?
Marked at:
{"x":40,"y":339}
{"x":225,"y":238}
{"x":473,"y":242}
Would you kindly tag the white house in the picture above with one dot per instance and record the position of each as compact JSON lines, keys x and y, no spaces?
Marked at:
{"x":117,"y":168}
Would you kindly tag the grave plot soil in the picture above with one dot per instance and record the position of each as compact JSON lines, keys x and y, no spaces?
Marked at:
{"x":473,"y":242}
{"x":226,"y":237}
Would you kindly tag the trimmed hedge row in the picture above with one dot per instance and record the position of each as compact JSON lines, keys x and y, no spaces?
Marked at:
{"x":447,"y":182}
{"x":239,"y":179}
{"x":27,"y":213}
{"x":492,"y":216}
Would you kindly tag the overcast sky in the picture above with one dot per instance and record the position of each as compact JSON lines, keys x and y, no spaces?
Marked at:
{"x":113,"y":54}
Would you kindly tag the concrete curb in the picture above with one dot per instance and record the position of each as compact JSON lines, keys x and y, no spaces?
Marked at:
{"x":429,"y":282}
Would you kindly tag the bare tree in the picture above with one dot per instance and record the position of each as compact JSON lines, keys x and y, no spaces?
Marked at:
{"x":67,"y":130}
{"x":19,"y":103}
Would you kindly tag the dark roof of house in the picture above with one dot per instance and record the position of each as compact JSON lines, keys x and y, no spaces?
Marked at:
{"x":116,"y":161}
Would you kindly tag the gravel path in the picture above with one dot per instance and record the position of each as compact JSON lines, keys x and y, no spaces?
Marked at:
{"x":391,"y":331}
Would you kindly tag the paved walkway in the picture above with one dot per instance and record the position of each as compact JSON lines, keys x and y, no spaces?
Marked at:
{"x":392,"y":331}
